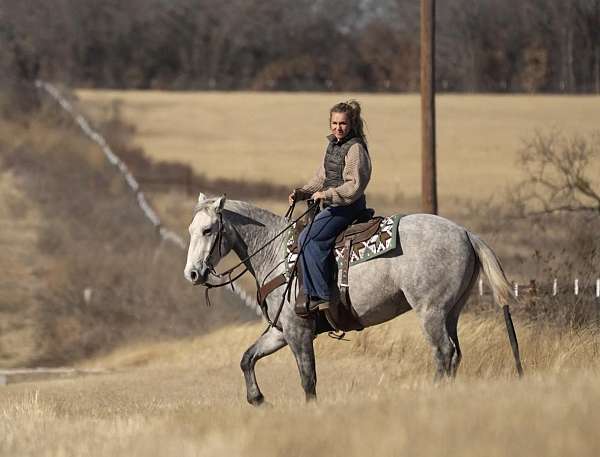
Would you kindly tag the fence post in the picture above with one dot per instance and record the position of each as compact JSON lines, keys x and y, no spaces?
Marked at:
{"x":554,"y":287}
{"x":576,"y":287}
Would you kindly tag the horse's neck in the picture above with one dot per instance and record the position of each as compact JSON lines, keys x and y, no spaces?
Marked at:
{"x":255,"y":227}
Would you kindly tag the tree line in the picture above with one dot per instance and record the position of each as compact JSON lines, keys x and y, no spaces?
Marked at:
{"x":346,"y":45}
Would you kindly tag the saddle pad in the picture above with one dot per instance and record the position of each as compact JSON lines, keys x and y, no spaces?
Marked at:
{"x":381,"y":242}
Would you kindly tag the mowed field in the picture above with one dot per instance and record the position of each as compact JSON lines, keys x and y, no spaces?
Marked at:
{"x":187,"y":398}
{"x":280,"y":137}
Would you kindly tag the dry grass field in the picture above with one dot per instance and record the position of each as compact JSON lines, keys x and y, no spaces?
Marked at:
{"x":279,"y":137}
{"x":187,"y":398}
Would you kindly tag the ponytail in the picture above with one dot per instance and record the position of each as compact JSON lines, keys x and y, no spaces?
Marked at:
{"x":353,"y":110}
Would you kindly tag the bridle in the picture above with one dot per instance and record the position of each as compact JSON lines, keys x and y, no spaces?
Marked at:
{"x":218,"y":240}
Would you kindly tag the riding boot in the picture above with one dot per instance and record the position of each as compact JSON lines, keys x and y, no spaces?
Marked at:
{"x":301,"y":305}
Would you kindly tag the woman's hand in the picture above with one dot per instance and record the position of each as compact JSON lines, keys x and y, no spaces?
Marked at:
{"x":319,"y":196}
{"x":292,"y":197}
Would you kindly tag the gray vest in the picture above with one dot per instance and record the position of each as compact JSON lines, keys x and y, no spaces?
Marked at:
{"x":335,"y":160}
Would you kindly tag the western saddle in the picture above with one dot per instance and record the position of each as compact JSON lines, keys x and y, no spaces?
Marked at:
{"x":340,"y":314}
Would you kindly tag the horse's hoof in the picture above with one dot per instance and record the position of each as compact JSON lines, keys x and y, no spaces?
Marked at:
{"x":257,"y":401}
{"x":311,"y":398}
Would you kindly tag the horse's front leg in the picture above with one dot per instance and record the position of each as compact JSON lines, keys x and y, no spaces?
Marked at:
{"x":300,"y":338}
{"x":268,"y":343}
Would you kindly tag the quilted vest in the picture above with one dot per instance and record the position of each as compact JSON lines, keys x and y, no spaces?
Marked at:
{"x":335,"y":160}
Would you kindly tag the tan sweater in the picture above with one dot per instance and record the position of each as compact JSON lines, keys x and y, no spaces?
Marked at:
{"x":357,"y":173}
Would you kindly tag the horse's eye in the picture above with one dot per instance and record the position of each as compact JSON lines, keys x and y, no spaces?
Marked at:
{"x":206,"y":232}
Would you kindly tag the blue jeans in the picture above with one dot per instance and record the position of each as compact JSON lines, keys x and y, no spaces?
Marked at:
{"x":317,"y":260}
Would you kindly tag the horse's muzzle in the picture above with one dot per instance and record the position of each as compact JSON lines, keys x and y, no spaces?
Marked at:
{"x":198,"y":276}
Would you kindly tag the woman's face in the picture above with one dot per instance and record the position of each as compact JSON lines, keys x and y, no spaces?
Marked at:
{"x":340,"y":125}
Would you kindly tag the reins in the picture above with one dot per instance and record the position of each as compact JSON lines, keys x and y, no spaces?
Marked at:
{"x":230,"y":271}
{"x":288,"y":286}
{"x":287,"y":291}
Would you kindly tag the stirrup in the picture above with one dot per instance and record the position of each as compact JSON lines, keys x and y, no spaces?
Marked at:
{"x":323,"y":305}
{"x":306,"y":308}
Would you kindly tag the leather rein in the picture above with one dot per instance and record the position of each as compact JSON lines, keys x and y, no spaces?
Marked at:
{"x":228,"y":273}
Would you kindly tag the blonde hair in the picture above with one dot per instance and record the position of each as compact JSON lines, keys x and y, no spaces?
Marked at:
{"x":352,"y":109}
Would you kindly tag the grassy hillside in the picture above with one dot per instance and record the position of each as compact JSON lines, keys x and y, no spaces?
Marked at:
{"x":20,"y":261}
{"x":279,"y":137}
{"x":70,"y":228}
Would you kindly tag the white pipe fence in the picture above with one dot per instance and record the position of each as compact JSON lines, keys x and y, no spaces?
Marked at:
{"x":533,"y":288}
{"x":153,"y":218}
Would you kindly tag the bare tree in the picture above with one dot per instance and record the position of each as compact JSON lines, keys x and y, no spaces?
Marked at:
{"x":558,"y":174}
{"x":482,"y":45}
{"x":587,"y":16}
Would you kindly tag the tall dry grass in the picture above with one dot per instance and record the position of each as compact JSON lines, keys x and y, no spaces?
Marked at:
{"x":187,"y":397}
{"x":19,"y":228}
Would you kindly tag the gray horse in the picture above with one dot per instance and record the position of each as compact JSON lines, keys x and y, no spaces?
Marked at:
{"x":432,"y":271}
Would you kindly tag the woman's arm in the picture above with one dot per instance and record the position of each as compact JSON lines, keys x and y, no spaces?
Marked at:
{"x":316,"y":182}
{"x":357,"y":173}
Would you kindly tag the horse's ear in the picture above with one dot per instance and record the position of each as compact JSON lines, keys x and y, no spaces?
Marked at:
{"x":201,"y":197}
{"x":219,"y":203}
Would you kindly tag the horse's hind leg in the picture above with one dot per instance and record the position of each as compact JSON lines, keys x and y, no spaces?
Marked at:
{"x":268,"y":343}
{"x":452,"y":321}
{"x":452,"y":328}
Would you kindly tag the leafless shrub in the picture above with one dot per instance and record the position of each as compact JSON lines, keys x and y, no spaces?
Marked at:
{"x":559,"y":172}
{"x":556,"y":208}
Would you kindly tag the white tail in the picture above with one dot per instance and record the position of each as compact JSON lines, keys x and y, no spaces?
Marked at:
{"x":501,"y":288}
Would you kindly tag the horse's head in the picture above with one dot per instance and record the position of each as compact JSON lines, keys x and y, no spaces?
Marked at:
{"x":208,"y":240}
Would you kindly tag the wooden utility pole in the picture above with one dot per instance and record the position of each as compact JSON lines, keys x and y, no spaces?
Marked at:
{"x":428,"y":176}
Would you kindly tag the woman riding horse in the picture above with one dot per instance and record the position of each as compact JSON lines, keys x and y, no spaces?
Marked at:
{"x":339,"y":184}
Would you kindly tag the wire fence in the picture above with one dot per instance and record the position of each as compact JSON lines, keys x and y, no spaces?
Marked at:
{"x":133,"y":184}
